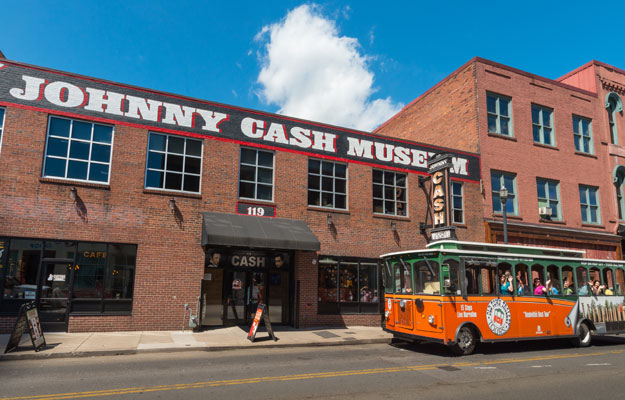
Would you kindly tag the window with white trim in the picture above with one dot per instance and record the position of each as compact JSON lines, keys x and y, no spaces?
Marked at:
{"x":542,"y":125}
{"x":499,"y":114}
{"x":499,"y":180}
{"x":389,"y":193}
{"x":327,"y":184}
{"x":78,"y":150}
{"x":548,"y":197}
{"x":589,"y":204}
{"x":174,"y":163}
{"x":256,"y":174}
{"x":457,"y":207}
{"x":582,"y":134}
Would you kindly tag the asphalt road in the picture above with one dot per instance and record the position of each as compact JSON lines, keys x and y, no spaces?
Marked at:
{"x":547,"y":369}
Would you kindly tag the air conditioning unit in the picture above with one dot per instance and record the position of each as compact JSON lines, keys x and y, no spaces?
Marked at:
{"x":544,"y":211}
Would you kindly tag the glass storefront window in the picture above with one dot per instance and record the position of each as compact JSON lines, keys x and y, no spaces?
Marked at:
{"x":120,"y":271}
{"x":20,"y":275}
{"x":347,"y":286}
{"x":89,"y":270}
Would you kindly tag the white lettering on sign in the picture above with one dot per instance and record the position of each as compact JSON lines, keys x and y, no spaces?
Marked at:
{"x":248,"y":261}
{"x":257,"y":211}
{"x":441,"y":235}
{"x":536,"y":314}
{"x":66,"y":94}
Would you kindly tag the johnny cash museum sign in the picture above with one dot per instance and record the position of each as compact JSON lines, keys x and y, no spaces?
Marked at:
{"x":67,"y":94}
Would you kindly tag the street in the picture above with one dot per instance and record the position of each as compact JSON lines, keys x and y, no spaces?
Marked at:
{"x":549,"y":369}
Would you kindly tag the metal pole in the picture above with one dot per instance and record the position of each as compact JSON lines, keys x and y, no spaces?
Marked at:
{"x":505,"y":223}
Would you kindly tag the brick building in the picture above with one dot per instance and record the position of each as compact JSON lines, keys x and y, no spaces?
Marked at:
{"x":121,"y":205}
{"x":555,"y":145}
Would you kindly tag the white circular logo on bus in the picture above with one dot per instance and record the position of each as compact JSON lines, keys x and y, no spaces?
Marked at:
{"x":498,"y":316}
{"x":389,"y":304}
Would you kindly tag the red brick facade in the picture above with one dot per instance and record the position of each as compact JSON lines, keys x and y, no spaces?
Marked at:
{"x":170,"y":257}
{"x":454,"y":114}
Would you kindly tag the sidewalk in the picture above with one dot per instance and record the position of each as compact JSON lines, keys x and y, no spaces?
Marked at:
{"x":115,"y":343}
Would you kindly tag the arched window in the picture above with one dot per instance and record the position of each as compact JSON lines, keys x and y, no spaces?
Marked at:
{"x":618,"y":177}
{"x":613,"y":105}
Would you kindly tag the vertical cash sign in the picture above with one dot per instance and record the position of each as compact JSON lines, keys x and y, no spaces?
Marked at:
{"x":440,"y":198}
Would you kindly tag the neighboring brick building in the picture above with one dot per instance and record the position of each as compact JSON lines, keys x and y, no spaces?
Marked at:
{"x":556,"y":145}
{"x":115,"y":200}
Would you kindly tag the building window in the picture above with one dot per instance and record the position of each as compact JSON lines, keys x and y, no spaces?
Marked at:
{"x":613,"y":105}
{"x":389,"y":193}
{"x":256,"y":174}
{"x":174,"y":163}
{"x":548,"y":195}
{"x":78,"y":150}
{"x":499,"y":114}
{"x":542,"y":125}
{"x":99,"y":279}
{"x":589,"y":204}
{"x":1,"y":125}
{"x":456,"y":202}
{"x":327,"y":184}
{"x":619,"y":178}
{"x":348,"y":286}
{"x":499,"y":180}
{"x":582,"y":134}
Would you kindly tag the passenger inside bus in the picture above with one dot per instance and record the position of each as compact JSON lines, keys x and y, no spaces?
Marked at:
{"x":553,"y":288}
{"x":539,"y":289}
{"x":506,"y":285}
{"x":569,"y":290}
{"x":597,"y":288}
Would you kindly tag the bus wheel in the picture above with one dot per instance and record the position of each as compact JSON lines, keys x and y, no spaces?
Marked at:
{"x":583,"y":337}
{"x":465,"y":342}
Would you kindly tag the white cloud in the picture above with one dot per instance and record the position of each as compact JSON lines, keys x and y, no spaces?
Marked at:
{"x":312,"y":72}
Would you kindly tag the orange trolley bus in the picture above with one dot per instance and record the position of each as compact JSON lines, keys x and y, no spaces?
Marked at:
{"x":458,"y":293}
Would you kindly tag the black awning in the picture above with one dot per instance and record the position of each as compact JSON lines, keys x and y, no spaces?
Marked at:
{"x":241,"y":230}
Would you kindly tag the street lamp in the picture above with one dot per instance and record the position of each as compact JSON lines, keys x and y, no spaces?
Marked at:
{"x":503,"y":196}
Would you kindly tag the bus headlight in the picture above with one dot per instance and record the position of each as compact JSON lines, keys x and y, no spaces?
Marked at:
{"x":431,"y":319}
{"x":402,"y":303}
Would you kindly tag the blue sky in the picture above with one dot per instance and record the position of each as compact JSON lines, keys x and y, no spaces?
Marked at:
{"x":350,"y":63}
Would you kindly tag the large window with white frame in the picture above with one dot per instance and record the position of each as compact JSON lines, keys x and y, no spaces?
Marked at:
{"x":256,"y":174}
{"x":507,"y":180}
{"x":457,"y":202}
{"x":173,"y":163}
{"x":78,"y":150}
{"x":589,"y":204}
{"x":327,"y":184}
{"x":582,"y":134}
{"x":499,"y":112}
{"x":548,"y":199}
{"x":542,"y":125}
{"x":389,"y":193}
{"x":1,"y":125}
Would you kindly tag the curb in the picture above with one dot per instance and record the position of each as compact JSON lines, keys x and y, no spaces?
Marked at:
{"x":211,"y":348}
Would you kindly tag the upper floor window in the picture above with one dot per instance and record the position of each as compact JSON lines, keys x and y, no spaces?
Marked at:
{"x":582,"y":133}
{"x":499,"y":180}
{"x":389,"y":193}
{"x":542,"y":125}
{"x":589,"y":204}
{"x":613,"y":105}
{"x":499,"y":114}
{"x":78,"y":150}
{"x":619,"y":179}
{"x":456,"y":202}
{"x":327,"y":184}
{"x":1,"y":125}
{"x":256,"y":174}
{"x":174,"y":163}
{"x":548,"y":199}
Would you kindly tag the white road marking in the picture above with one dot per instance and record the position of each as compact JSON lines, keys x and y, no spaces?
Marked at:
{"x":486,"y":367}
{"x":540,"y":366}
{"x":592,"y":365}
